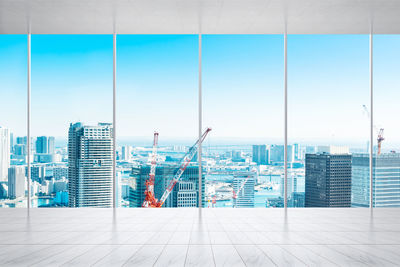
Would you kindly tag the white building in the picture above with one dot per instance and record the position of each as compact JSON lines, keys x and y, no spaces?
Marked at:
{"x":16,"y":182}
{"x":243,"y":186}
{"x":90,"y":165}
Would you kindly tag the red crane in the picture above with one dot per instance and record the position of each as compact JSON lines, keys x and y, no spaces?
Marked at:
{"x":154,"y":203}
{"x":150,"y":199}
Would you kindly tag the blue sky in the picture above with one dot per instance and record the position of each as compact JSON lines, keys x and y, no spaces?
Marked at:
{"x":157,"y":80}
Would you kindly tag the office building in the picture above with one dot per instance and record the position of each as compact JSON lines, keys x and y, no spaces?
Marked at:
{"x":44,"y":149}
{"x":90,"y":156}
{"x":328,"y":180}
{"x":126,"y":153}
{"x":243,"y":186}
{"x":260,"y":154}
{"x":38,"y":173}
{"x":184,"y":194}
{"x":386,"y":180}
{"x":296,"y":151}
{"x":278,"y":154}
{"x":296,"y":200}
{"x":292,"y":184}
{"x":41,"y":144}
{"x":187,"y":194}
{"x":16,"y":182}
{"x":45,"y":145}
{"x":11,"y":142}
{"x":4,"y":153}
{"x":19,"y":149}
{"x":60,"y":172}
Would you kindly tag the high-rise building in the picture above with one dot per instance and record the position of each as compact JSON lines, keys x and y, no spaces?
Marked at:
{"x":125,"y":153}
{"x":184,"y":194}
{"x":246,"y":182}
{"x":90,"y":165}
{"x":21,"y":148}
{"x":44,"y":149}
{"x":16,"y":182}
{"x":328,"y":180}
{"x":11,"y":142}
{"x":260,"y":154}
{"x":51,"y":145}
{"x":278,"y":154}
{"x":4,"y":153}
{"x":41,"y":144}
{"x":38,"y":173}
{"x":60,"y":173}
{"x":386,"y":180}
{"x":296,"y":200}
{"x":296,"y":151}
{"x":21,"y":140}
{"x":45,"y":145}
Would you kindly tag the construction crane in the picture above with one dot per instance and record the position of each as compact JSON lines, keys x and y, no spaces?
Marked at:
{"x":379,"y":132}
{"x":150,"y":199}
{"x":214,"y":201}
{"x":240,"y":189}
{"x":184,"y":163}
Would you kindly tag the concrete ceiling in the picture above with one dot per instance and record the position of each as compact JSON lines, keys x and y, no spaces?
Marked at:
{"x":194,"y":16}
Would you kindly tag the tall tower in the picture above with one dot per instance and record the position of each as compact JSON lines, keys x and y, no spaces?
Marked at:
{"x":328,"y":180}
{"x":4,"y":153}
{"x":260,"y":154}
{"x":90,"y":165}
{"x":16,"y":181}
{"x":386,"y":180}
{"x":41,"y":145}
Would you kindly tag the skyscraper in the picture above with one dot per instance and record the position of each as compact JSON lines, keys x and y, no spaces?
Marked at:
{"x":16,"y":182}
{"x":260,"y":154}
{"x":41,"y":144}
{"x":125,"y":153}
{"x":51,"y":145}
{"x":184,"y":194}
{"x":4,"y":153}
{"x":44,"y":149}
{"x":90,"y":161}
{"x":386,"y":180}
{"x":328,"y":180}
{"x":278,"y":154}
{"x":45,"y":145}
{"x":243,"y":185}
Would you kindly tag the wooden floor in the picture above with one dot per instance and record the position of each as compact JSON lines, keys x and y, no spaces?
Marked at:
{"x":188,"y":237}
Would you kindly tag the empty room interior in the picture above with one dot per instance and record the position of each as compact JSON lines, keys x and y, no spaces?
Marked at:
{"x":199,"y":133}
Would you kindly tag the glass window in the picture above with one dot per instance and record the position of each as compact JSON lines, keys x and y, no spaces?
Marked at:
{"x":157,"y":92}
{"x":13,"y":131}
{"x":328,"y":120}
{"x":71,"y":122}
{"x":243,"y":103}
{"x":386,"y":175}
